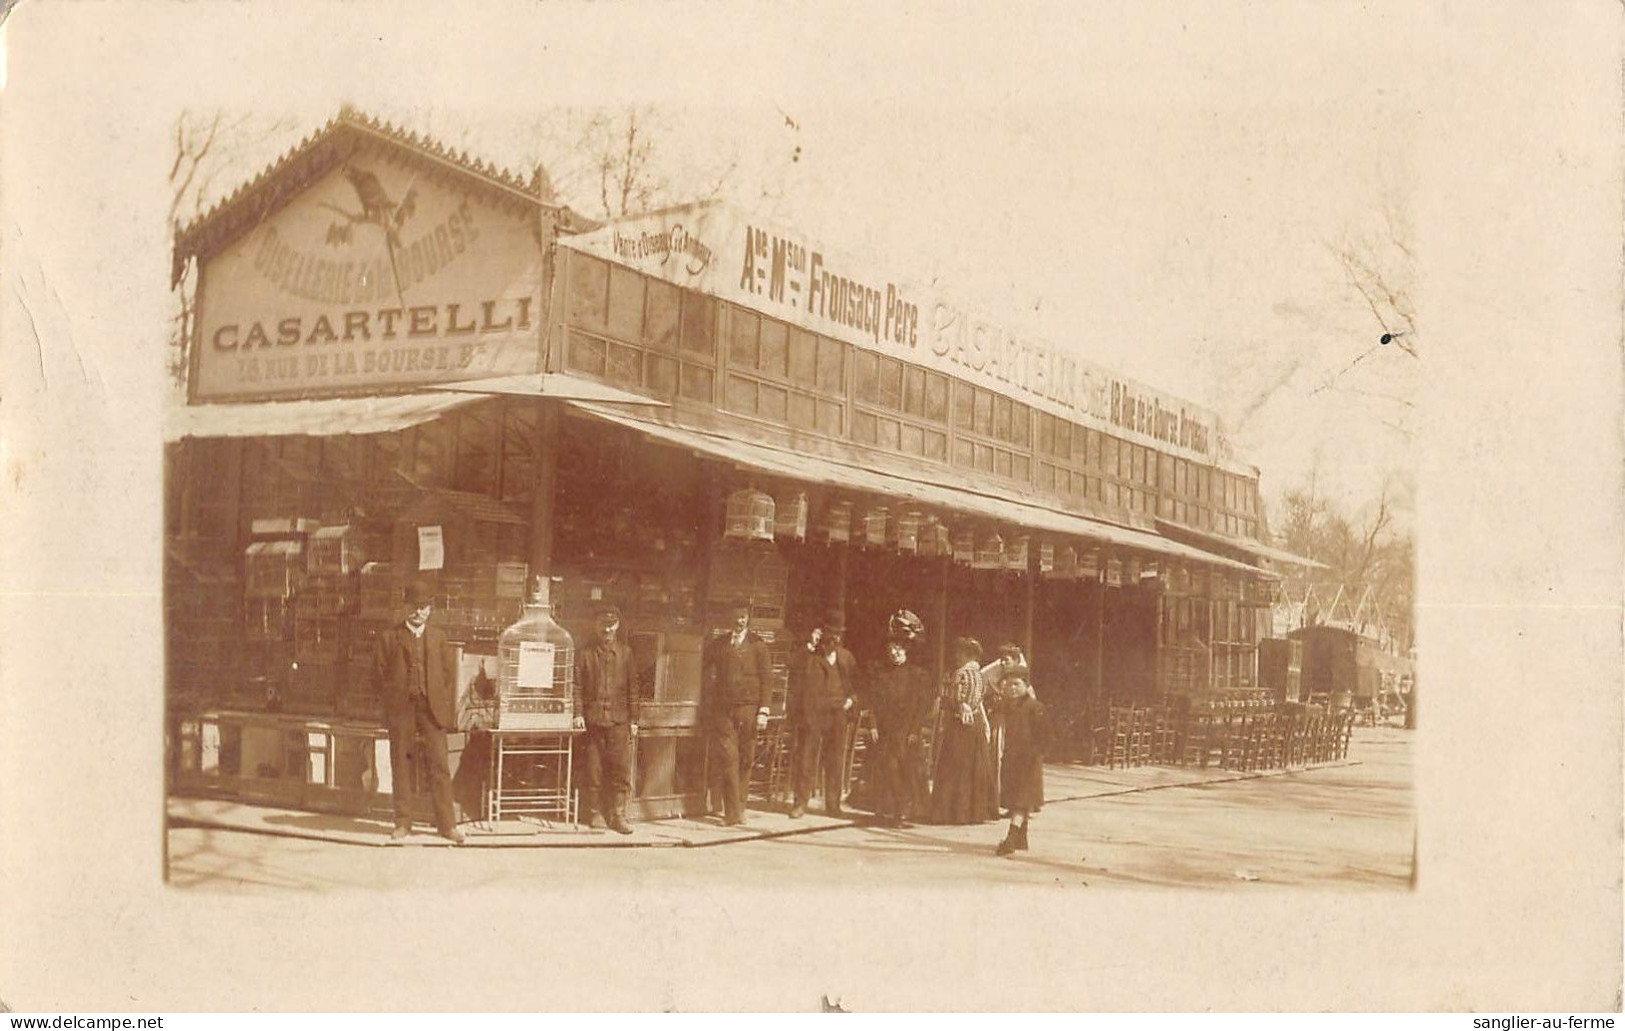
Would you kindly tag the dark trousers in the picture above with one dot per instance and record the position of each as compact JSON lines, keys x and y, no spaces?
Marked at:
{"x":824,"y":737}
{"x":733,"y":750}
{"x":416,"y":743}
{"x":608,"y":779}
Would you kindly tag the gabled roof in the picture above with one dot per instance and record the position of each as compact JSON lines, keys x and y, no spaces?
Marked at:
{"x":319,"y":152}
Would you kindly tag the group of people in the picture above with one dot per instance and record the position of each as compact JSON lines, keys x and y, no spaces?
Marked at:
{"x":989,"y":728}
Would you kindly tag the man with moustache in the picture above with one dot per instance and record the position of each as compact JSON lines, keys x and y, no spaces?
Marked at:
{"x":737,"y":674}
{"x":415,"y":671}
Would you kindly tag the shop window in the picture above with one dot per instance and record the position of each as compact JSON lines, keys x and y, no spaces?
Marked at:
{"x":663,"y":316}
{"x":964,"y":406}
{"x":1046,"y":434}
{"x":1165,"y":507}
{"x":1021,"y":468}
{"x":586,"y":354}
{"x":866,"y":380}
{"x":964,"y":453}
{"x":660,"y":375}
{"x":1001,"y":417}
{"x":803,"y":358}
{"x":1094,"y":438}
{"x":936,"y":445}
{"x":913,"y":440}
{"x":984,"y":458}
{"x":829,"y":418}
{"x":1109,"y":450}
{"x":890,"y":434}
{"x":477,"y":443}
{"x":936,"y":397}
{"x":1046,"y":476}
{"x":1097,"y":489}
{"x":1021,"y":426}
{"x":1001,"y":462}
{"x":625,"y":365}
{"x":984,"y":413}
{"x":773,"y":403}
{"x":1181,"y":513}
{"x":431,"y":453}
{"x":1165,"y":471}
{"x":914,"y":390}
{"x":803,"y":412}
{"x":588,"y":291}
{"x":1137,"y":473}
{"x":743,"y":328}
{"x":865,"y":427}
{"x":625,"y":303}
{"x":741,"y":395}
{"x":831,"y":366}
{"x":1063,"y":440}
{"x":774,"y":355}
{"x":891,"y":383}
{"x":699,"y":321}
{"x":698,"y":383}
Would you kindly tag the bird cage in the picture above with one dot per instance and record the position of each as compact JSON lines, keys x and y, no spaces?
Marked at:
{"x":990,"y":552}
{"x":1015,"y":555}
{"x":903,"y":532}
{"x":1046,"y":558}
{"x":791,"y":521}
{"x":964,"y":545}
{"x":1114,"y":572}
{"x":873,"y":528}
{"x":934,"y":539}
{"x":1088,"y":565}
{"x":837,"y":524}
{"x":750,"y":516}
{"x":1065,"y":565}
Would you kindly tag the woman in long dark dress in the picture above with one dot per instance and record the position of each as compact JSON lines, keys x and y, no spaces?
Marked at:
{"x":963,"y":791}
{"x":1026,"y":735}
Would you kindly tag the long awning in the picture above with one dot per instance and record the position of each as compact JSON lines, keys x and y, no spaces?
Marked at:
{"x":827,"y":471}
{"x":558,"y":385}
{"x":1203,"y":538}
{"x":318,"y":418}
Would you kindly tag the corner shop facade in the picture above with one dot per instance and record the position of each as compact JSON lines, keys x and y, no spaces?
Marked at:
{"x":407,"y":365}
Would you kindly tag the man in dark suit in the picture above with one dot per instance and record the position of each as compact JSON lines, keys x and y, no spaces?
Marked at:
{"x":606,"y":709}
{"x":415,"y":671}
{"x":823,"y":682}
{"x":738,"y":686}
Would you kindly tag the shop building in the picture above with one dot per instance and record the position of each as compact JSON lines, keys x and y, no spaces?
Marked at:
{"x":409,"y":365}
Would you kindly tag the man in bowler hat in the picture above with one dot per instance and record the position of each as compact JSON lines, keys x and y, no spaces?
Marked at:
{"x":823,"y":682}
{"x":738,"y":686}
{"x":415,"y":672}
{"x":606,"y":709}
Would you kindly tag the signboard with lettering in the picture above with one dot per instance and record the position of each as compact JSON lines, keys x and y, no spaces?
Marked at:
{"x":375,"y":278}
{"x":717,"y":250}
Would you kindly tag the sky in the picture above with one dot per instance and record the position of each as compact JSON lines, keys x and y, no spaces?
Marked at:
{"x":1159,"y":193}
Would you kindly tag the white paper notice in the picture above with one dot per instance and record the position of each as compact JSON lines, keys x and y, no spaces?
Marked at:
{"x":431,"y":548}
{"x":535,"y":665}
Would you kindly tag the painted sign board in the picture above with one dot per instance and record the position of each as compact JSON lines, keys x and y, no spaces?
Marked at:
{"x":376,"y":278}
{"x":716,"y":249}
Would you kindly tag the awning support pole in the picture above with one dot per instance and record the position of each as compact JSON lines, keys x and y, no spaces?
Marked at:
{"x":543,"y":501}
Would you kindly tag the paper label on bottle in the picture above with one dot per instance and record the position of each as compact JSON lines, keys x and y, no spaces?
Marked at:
{"x":535,"y":665}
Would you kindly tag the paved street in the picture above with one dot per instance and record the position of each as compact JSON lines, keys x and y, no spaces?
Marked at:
{"x":1348,"y":826}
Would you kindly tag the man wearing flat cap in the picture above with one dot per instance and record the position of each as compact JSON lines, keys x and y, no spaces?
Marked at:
{"x":823,"y":682}
{"x":738,"y":694}
{"x":415,"y":673}
{"x":606,"y":709}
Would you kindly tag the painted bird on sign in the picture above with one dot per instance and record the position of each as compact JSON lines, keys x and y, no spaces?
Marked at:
{"x":377,"y":209}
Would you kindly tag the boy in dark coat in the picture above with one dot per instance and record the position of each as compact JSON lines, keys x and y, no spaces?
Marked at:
{"x":1026,"y":735}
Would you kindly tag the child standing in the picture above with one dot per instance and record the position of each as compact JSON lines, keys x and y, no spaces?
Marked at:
{"x":1026,"y":735}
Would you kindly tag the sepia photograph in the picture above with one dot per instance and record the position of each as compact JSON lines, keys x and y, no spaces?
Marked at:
{"x":557,"y":507}
{"x":718,"y":508}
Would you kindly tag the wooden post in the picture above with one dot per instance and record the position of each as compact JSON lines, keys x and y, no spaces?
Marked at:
{"x":1030,"y":597}
{"x":1100,"y":637}
{"x":940,"y":617}
{"x":838,"y":583}
{"x":543,"y":502}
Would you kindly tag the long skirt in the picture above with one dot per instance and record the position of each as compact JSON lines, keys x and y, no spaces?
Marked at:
{"x":964,"y":791}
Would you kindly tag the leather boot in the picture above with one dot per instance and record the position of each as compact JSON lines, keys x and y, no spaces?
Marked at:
{"x":1008,"y":845}
{"x":1021,"y":838}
